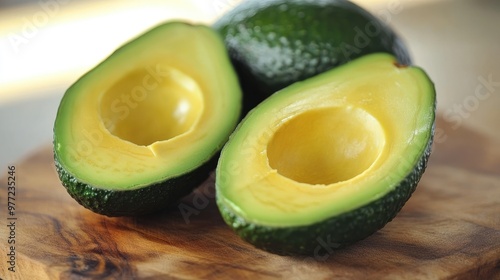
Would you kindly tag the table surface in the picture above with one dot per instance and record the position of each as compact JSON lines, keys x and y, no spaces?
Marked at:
{"x":449,"y":229}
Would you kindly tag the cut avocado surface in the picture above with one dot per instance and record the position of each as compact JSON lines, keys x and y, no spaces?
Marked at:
{"x":334,"y":157}
{"x":278,"y":42}
{"x":144,"y":127}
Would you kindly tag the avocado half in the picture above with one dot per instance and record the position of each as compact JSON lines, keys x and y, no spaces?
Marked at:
{"x":276,"y":43}
{"x":332,"y":158}
{"x":145,"y":127}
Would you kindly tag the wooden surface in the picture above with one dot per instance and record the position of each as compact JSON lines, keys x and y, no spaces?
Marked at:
{"x":450,"y":229}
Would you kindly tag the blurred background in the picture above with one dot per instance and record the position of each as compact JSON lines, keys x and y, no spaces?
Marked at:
{"x":45,"y":45}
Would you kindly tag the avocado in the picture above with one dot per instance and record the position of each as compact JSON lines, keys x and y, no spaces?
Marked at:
{"x":145,"y":126}
{"x":332,"y":158}
{"x":275,"y":43}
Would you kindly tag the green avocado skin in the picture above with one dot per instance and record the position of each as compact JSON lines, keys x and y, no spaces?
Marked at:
{"x":321,"y":238}
{"x":135,"y":202}
{"x":276,"y":43}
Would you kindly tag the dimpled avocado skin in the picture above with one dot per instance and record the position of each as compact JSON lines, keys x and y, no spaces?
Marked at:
{"x":135,"y":202}
{"x":276,"y":43}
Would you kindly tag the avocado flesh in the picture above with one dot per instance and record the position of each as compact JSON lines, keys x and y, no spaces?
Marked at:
{"x":334,"y":157}
{"x":276,"y":43}
{"x":142,"y":128}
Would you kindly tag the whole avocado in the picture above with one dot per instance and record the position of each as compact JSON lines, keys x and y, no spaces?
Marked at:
{"x":276,"y":43}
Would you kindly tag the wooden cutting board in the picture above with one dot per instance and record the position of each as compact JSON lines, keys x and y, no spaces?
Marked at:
{"x":450,"y":229}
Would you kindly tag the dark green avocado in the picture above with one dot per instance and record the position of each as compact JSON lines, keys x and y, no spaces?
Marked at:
{"x":275,"y":43}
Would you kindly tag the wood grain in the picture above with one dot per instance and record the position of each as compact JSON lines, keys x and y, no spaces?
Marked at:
{"x":450,"y":229}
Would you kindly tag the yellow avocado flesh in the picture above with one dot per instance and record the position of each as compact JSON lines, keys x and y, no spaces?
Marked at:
{"x":328,"y":145}
{"x":157,"y":108}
